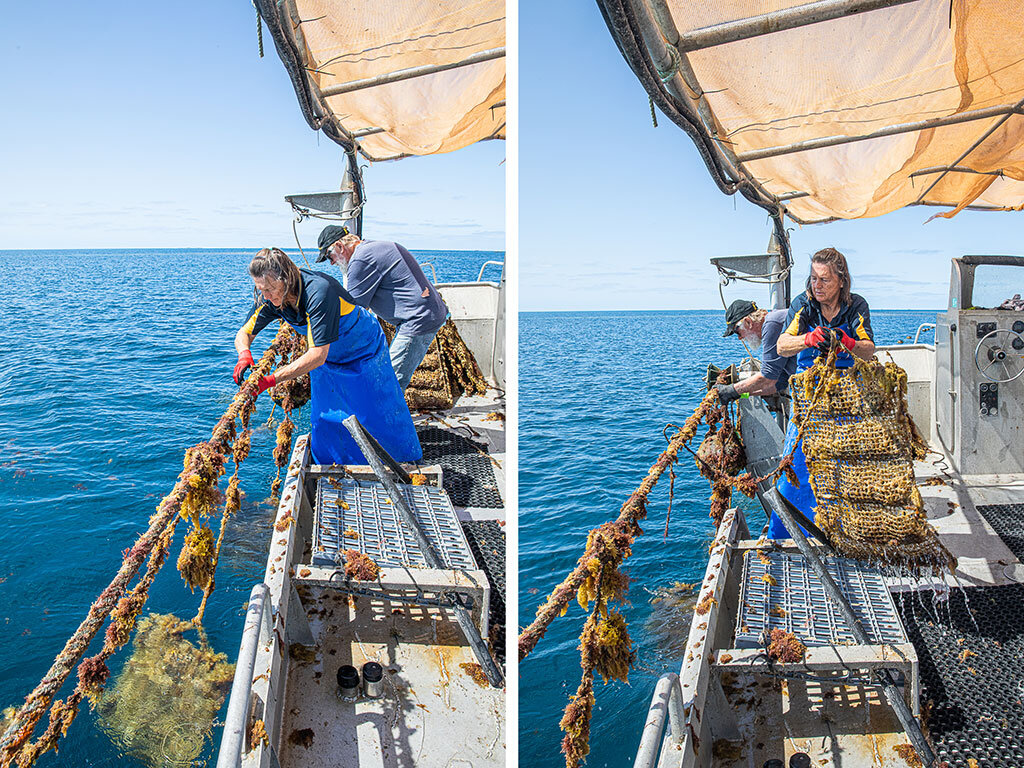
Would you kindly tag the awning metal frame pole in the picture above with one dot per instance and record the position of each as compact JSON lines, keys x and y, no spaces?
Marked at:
{"x":790,"y":18}
{"x":953,"y":169}
{"x":883,"y":676}
{"x":1005,"y":111}
{"x":661,"y":36}
{"x":411,"y":73}
{"x":462,"y":616}
{"x":973,"y":147}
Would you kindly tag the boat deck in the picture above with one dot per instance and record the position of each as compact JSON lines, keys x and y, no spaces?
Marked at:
{"x":966,"y":650}
{"x":437,"y":708}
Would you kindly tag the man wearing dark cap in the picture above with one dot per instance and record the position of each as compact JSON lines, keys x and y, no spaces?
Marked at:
{"x":758,"y":328}
{"x":385,"y":278}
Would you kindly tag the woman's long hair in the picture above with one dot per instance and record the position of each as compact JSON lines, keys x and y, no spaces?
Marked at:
{"x":837,"y":263}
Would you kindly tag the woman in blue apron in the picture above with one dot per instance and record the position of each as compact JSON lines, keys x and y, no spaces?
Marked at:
{"x":826,"y":310}
{"x":347,"y":360}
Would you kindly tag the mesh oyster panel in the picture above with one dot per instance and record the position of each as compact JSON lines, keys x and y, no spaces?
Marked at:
{"x":860,"y":445}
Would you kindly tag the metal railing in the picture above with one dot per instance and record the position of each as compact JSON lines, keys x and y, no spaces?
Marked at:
{"x":480,"y":277}
{"x":667,"y":699}
{"x":433,"y":271}
{"x":257,"y":629}
{"x":922,"y":327}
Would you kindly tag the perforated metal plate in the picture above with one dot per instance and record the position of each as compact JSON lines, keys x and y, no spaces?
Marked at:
{"x":346,"y":506}
{"x":972,"y":672}
{"x":784,"y":593}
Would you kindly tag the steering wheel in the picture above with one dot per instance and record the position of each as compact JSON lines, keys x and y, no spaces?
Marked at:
{"x":1000,"y":352}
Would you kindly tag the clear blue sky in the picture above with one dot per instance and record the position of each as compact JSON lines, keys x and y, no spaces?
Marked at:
{"x":617,"y":214}
{"x":154,"y":125}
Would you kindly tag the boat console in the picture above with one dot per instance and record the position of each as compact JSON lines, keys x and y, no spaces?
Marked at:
{"x":979,"y":371}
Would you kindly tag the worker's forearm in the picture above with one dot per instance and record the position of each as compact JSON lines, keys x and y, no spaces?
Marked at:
{"x":864,"y":349}
{"x":311,"y":358}
{"x":243,"y":340}
{"x":756,"y":385}
{"x":788,"y":345}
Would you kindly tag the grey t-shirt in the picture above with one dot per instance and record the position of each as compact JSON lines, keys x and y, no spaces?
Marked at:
{"x":385,"y":277}
{"x":773,"y":365}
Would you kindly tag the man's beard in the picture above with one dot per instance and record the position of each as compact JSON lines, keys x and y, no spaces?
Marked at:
{"x":752,"y":341}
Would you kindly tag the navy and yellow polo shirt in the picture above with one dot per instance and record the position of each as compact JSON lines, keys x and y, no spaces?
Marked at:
{"x":805,"y":315}
{"x":325,"y":315}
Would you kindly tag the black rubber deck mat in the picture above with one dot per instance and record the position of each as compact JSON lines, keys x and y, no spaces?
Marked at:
{"x":1008,"y":522}
{"x":468,"y":473}
{"x":487,"y":541}
{"x":971,"y":654}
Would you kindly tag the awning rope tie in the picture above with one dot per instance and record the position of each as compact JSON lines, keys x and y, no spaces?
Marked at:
{"x":665,"y":75}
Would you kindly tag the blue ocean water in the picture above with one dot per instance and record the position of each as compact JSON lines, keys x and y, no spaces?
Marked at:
{"x":596,"y":391}
{"x":115,"y":362}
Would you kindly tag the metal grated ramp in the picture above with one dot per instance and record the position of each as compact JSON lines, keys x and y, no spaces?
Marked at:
{"x":487,"y":542}
{"x":468,"y":474}
{"x":1008,"y":521}
{"x":971,"y":653}
{"x":345,"y":506}
{"x":796,"y":602}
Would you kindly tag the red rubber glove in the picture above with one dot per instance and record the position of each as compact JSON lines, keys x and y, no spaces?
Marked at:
{"x":244,"y":361}
{"x":846,"y":340}
{"x":266,"y":382}
{"x":816,"y":337}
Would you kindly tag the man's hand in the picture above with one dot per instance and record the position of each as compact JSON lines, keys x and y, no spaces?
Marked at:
{"x":243,"y":365}
{"x":726,"y":393}
{"x":821,"y":338}
{"x":266,"y":382}
{"x":846,"y":340}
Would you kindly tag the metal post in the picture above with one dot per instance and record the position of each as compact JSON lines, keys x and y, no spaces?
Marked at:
{"x":892,"y":130}
{"x":883,"y":676}
{"x":789,"y":18}
{"x":409,"y":74}
{"x":650,"y":739}
{"x":462,"y":616}
{"x":233,"y":738}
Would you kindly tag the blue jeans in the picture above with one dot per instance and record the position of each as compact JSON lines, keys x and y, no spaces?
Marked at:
{"x":407,"y":352}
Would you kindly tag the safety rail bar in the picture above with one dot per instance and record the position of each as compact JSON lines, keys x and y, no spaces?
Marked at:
{"x":256,"y":630}
{"x":922,"y":327}
{"x":668,"y":698}
{"x":433,"y":271}
{"x":480,"y":277}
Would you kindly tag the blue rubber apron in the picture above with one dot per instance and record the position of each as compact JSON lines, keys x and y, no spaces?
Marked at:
{"x":357,"y":378}
{"x":802,"y":496}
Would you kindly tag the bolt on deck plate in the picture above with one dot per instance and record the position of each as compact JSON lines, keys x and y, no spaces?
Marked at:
{"x":796,"y":602}
{"x":347,"y":506}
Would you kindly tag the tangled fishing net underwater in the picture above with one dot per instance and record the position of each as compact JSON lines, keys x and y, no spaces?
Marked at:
{"x":860,"y":444}
{"x":162,"y":705}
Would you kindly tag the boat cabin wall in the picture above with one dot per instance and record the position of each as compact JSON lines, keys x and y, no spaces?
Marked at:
{"x":918,"y":360}
{"x":979,"y":375}
{"x":476,"y":309}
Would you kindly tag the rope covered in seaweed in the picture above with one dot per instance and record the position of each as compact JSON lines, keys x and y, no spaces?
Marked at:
{"x":203,"y":465}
